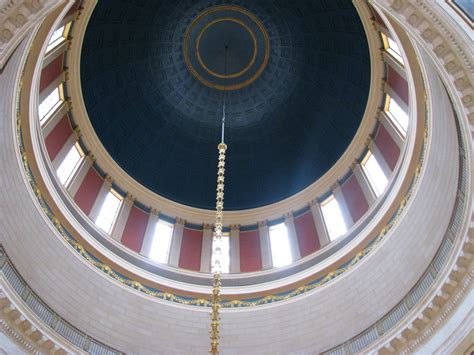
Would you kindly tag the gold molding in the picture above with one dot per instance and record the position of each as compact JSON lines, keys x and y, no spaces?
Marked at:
{"x":247,"y":67}
{"x":235,"y":86}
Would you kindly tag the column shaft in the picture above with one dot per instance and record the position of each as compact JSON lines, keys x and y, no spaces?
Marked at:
{"x":149,"y":233}
{"x":319,"y":223}
{"x":265,"y":247}
{"x":122,"y":218}
{"x":292,"y":237}
{"x":206,"y":250}
{"x":176,"y":243}
{"x":234,"y":249}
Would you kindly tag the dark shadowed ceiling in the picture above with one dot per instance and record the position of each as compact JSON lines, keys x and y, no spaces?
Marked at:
{"x":153,"y":82}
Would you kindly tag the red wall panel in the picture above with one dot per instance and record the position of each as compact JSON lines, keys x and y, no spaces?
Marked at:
{"x":379,"y":19}
{"x":355,"y":198}
{"x":250,"y":254}
{"x":58,"y":137}
{"x":387,"y":147}
{"x":51,"y":72}
{"x":73,"y":8}
{"x":397,"y":83}
{"x":88,"y":191}
{"x":308,"y":239}
{"x":191,"y":246}
{"x":135,"y":228}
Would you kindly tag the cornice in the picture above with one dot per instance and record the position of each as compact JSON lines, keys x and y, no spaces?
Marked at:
{"x":17,"y":337}
{"x":28,"y":321}
{"x":17,"y":18}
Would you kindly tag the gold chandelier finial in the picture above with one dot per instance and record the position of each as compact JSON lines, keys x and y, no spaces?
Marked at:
{"x":216,"y":249}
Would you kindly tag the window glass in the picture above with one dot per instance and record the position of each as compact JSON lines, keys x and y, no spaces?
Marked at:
{"x":70,"y":164}
{"x":398,"y":115}
{"x":335,"y":224}
{"x":49,"y":105}
{"x":58,"y":37}
{"x":108,"y":211}
{"x":160,"y":247}
{"x":392,"y":47}
{"x":375,"y":175}
{"x":221,"y":254}
{"x":280,"y":245}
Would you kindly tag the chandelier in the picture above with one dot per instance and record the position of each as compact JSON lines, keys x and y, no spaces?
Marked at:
{"x":216,"y":246}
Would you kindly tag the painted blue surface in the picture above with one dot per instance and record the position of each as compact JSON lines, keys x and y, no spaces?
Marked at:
{"x":283,"y":131}
{"x":466,"y":6}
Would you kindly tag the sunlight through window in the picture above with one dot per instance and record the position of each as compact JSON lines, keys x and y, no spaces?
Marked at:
{"x":221,"y":253}
{"x":375,"y":175}
{"x":58,"y":37}
{"x":160,"y":247}
{"x":49,"y":105}
{"x":335,"y":224}
{"x":108,"y":212}
{"x":398,"y":115}
{"x":70,"y":164}
{"x":392,"y":47}
{"x":280,"y":245}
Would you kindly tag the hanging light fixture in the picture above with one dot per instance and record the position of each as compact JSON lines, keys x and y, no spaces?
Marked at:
{"x":216,"y":246}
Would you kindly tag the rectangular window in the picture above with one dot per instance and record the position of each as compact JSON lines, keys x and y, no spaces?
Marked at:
{"x":160,"y":246}
{"x":392,"y":48}
{"x":280,"y":245}
{"x":397,"y":115}
{"x":335,"y":224}
{"x":70,"y":164}
{"x":221,"y":254}
{"x":50,"y":104}
{"x":58,"y":37}
{"x":108,"y":212}
{"x":375,"y":175}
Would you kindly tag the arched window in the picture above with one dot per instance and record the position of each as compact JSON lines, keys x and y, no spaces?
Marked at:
{"x":280,"y":245}
{"x":375,"y":175}
{"x":58,"y":37}
{"x":392,"y":48}
{"x":160,"y":246}
{"x":397,"y":115}
{"x":70,"y":164}
{"x":335,"y":224}
{"x":109,"y":210}
{"x":49,"y":105}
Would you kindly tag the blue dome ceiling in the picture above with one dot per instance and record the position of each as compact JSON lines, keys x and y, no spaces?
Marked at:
{"x":152,"y":80}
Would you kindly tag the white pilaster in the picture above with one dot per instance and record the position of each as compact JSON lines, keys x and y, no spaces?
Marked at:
{"x":81,"y":173}
{"x":380,"y":159}
{"x":292,"y":237}
{"x":364,"y":183}
{"x":265,"y":247}
{"x":99,"y":201}
{"x":319,"y":223}
{"x":176,"y":240}
{"x":122,"y":218}
{"x":343,"y":207}
{"x":149,"y":232}
{"x":234,"y":249}
{"x":64,"y":150}
{"x":206,"y":250}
